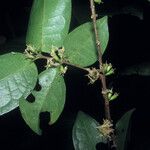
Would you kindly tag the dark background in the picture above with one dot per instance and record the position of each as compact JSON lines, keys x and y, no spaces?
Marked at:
{"x":128,"y":45}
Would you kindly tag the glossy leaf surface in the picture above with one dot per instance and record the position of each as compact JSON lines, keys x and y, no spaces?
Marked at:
{"x":48,"y":24}
{"x":80,"y":47}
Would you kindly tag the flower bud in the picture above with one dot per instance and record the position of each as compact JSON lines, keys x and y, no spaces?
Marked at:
{"x":114,"y":96}
{"x":98,"y":1}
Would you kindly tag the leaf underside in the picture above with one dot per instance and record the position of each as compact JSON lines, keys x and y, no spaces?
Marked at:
{"x":18,"y":77}
{"x":50,"y":99}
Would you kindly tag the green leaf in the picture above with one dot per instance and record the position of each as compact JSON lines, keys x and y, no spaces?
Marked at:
{"x":85,"y":133}
{"x":48,"y":24}
{"x":122,"y":127}
{"x":18,"y":77}
{"x":80,"y":47}
{"x":142,"y":69}
{"x":50,"y":99}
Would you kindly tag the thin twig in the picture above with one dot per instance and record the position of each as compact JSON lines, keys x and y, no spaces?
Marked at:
{"x":40,"y":56}
{"x":73,"y":65}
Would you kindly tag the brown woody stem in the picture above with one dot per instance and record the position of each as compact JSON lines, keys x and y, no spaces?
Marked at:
{"x":102,"y":75}
{"x":99,"y":49}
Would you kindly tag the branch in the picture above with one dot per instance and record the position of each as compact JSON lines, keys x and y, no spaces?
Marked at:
{"x":99,"y":49}
{"x":36,"y":56}
{"x":74,"y":65}
{"x":102,"y":75}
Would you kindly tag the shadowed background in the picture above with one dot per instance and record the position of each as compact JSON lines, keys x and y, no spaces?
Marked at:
{"x":128,"y":45}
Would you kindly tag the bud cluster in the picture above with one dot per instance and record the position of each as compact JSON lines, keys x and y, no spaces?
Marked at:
{"x":108,"y":69}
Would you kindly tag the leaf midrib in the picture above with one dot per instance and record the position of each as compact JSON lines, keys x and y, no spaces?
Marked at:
{"x":43,"y":16}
